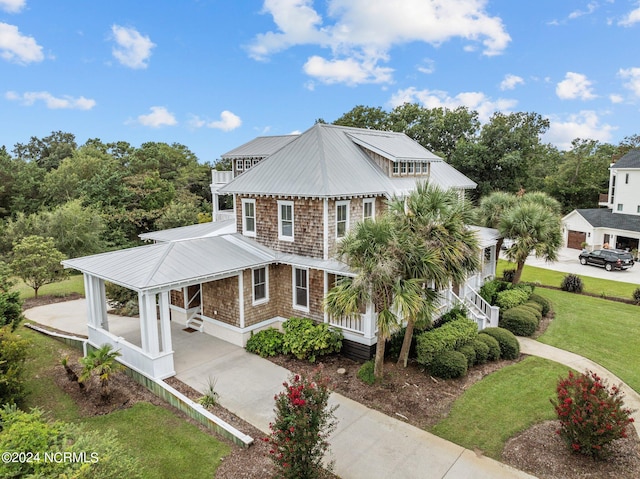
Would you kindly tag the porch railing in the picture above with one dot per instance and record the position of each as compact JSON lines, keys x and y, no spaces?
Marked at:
{"x":352,"y":323}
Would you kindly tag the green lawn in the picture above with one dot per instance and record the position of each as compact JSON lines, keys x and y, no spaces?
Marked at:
{"x":501,"y":405}
{"x":166,"y":445}
{"x":73,"y":284}
{"x":604,"y":331}
{"x":548,"y":277}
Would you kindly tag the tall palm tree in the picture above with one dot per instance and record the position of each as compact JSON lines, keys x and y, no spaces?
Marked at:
{"x":438,"y":247}
{"x":371,"y":251}
{"x":535,"y":226}
{"x":492,"y":208}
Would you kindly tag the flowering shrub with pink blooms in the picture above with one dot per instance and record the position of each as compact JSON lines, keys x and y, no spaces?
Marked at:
{"x":301,"y":427}
{"x":591,"y":414}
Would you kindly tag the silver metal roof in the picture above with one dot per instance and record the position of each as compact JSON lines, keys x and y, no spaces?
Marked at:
{"x":201,"y":230}
{"x":486,"y":236}
{"x":162,"y":266}
{"x":326,"y":162}
{"x":393,"y":145}
{"x":260,"y":147}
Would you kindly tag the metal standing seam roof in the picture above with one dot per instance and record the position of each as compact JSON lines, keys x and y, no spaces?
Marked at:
{"x":630,"y":160}
{"x":260,"y":147}
{"x":393,"y":145}
{"x":213,"y":228}
{"x":164,"y":265}
{"x":325,"y":162}
{"x":486,"y":236}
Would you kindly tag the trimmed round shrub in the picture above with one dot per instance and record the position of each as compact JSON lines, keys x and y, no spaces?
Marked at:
{"x":469,"y":353}
{"x":636,"y":296}
{"x":449,"y":365}
{"x":511,"y":298}
{"x":493,"y":345}
{"x":531,"y":307}
{"x":265,"y":343}
{"x":454,"y":314}
{"x":572,"y":283}
{"x":543,"y":302}
{"x":482,"y":350}
{"x":509,"y":346}
{"x":365,"y":373}
{"x":490,"y":290}
{"x":520,"y":321}
{"x":534,"y":305}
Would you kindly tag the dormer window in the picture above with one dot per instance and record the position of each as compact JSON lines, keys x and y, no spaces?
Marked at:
{"x":396,"y":168}
{"x":410,"y":166}
{"x":240,"y":165}
{"x":247,"y":164}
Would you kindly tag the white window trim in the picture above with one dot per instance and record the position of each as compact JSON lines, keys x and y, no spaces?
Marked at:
{"x":372,"y":202}
{"x":245,"y":232}
{"x":620,"y":207}
{"x":293,"y":222}
{"x":346,"y":203}
{"x":240,"y":165}
{"x":255,"y":301}
{"x":293,"y":287}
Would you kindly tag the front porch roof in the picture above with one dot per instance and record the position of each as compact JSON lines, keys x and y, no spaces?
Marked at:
{"x":201,"y":230}
{"x":174,"y":264}
{"x":486,"y":236}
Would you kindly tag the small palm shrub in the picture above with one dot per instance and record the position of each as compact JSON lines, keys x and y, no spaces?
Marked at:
{"x":211,"y":396}
{"x":520,"y":321}
{"x":636,"y":296}
{"x":449,"y":365}
{"x":591,"y":414}
{"x":481,"y":349}
{"x":572,"y":283}
{"x":265,"y":343}
{"x":510,"y":298}
{"x":508,"y":275}
{"x":302,"y":426}
{"x":493,"y":345}
{"x":509,"y":346}
{"x":365,"y":373}
{"x":543,"y":302}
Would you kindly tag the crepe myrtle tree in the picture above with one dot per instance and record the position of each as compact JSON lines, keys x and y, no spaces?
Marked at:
{"x":37,"y":262}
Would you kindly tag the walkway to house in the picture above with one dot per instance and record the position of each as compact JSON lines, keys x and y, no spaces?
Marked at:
{"x":366,"y":443}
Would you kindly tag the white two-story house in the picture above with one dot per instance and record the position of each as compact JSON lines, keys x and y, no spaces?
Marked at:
{"x":273,"y":256}
{"x":616,"y":224}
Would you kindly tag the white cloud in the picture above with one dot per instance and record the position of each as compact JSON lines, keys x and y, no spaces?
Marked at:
{"x":575,"y":85}
{"x":364,"y":31}
{"x":632,"y":75}
{"x":348,"y":71}
{"x":630,"y":18}
{"x":228,"y":121}
{"x":65,"y":102}
{"x":12,"y":6}
{"x":158,"y":117}
{"x":440,"y":99}
{"x":584,"y":124}
{"x":132,"y":49}
{"x":427,"y":66}
{"x":615,"y":98}
{"x":511,"y":81}
{"x":18,"y":48}
{"x":591,"y":7}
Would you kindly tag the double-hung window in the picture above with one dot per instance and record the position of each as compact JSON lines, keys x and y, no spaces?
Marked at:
{"x":301,"y":289}
{"x":248,"y":217}
{"x":342,"y":218}
{"x":260,"y":283}
{"x":368,"y":208}
{"x":285,"y":220}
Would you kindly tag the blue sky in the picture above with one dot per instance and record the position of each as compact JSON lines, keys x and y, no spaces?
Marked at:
{"x":213,"y":74}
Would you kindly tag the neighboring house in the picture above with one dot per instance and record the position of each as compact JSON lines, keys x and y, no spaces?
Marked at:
{"x":617,"y":222}
{"x":294,"y":198}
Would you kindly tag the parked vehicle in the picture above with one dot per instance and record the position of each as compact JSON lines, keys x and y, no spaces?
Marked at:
{"x":608,"y":258}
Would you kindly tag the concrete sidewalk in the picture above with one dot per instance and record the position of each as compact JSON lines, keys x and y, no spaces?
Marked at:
{"x":366,"y":444}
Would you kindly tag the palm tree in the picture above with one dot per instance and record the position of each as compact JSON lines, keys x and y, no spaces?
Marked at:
{"x":102,"y":362}
{"x":438,"y":247}
{"x":371,"y":250}
{"x":534,"y":224}
{"x":492,"y":208}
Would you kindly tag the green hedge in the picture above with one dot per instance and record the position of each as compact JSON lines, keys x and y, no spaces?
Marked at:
{"x":449,"y":365}
{"x":492,"y":344}
{"x":448,"y":337}
{"x":509,"y":346}
{"x":265,"y":343}
{"x":306,"y":340}
{"x":520,"y":321}
{"x":511,"y":298}
{"x":542,"y":301}
{"x":482,"y":350}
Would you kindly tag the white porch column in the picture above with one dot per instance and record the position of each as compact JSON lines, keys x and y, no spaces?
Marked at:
{"x":369,"y":325}
{"x":100,"y":297}
{"x":326,"y":290}
{"x":165,"y":324}
{"x":96,"y":302}
{"x":88,"y":293}
{"x":149,"y":323}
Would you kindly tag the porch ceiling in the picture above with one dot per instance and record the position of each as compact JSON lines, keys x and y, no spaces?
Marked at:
{"x":165,"y":265}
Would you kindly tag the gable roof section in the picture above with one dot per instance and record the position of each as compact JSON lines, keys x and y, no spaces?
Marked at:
{"x":326,"y":162}
{"x":630,"y":160}
{"x":164,"y":265}
{"x":201,"y":230}
{"x":260,"y":147}
{"x":605,"y":218}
